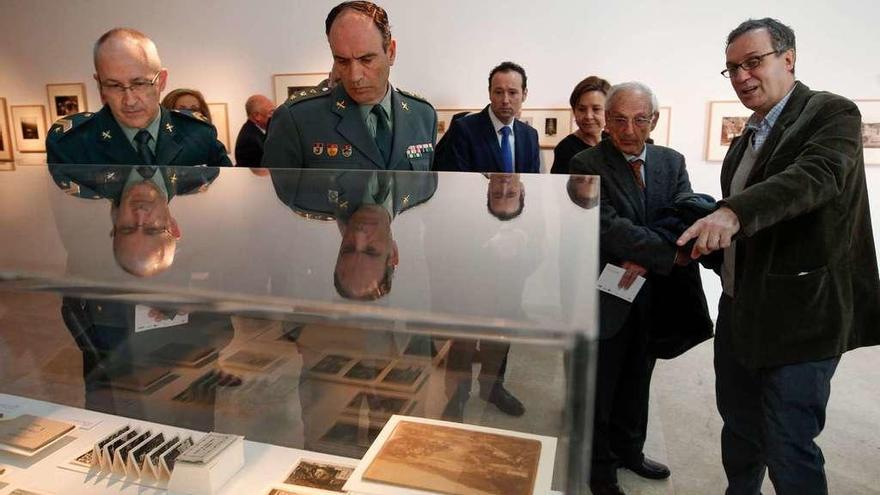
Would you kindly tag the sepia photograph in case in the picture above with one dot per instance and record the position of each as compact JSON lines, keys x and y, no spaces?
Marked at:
{"x":287,"y":85}
{"x":250,"y":360}
{"x":349,"y":438}
{"x":319,"y":474}
{"x":367,"y":369}
{"x":66,"y":99}
{"x":5,"y":136}
{"x":727,"y":119}
{"x":377,"y":406}
{"x":332,"y":364}
{"x":870,"y":110}
{"x":29,"y":126}
{"x":660,"y":134}
{"x":552,"y":124}
{"x":28,"y":434}
{"x":220,"y":119}
{"x":404,"y":376}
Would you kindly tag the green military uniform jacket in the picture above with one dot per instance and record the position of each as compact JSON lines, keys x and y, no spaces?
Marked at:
{"x":96,"y":139}
{"x":323,"y":128}
{"x":92,"y":182}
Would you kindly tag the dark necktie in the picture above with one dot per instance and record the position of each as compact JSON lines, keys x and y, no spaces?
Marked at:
{"x":506,"y":152}
{"x":146,"y":172}
{"x":636,"y":166}
{"x":142,"y":138}
{"x":383,"y":133}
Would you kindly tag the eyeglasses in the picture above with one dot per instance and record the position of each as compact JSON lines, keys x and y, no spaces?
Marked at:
{"x":750,"y":63}
{"x":622,"y":122}
{"x":137,"y":87}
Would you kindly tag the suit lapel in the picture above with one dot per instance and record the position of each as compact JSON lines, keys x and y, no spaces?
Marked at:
{"x":168,"y":144}
{"x":656,"y":174}
{"x":623,"y":175}
{"x":490,"y":139}
{"x":352,"y":127}
{"x":789,"y":114}
{"x":114,"y":144}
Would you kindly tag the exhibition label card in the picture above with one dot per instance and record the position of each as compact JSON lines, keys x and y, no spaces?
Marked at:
{"x":143,"y":321}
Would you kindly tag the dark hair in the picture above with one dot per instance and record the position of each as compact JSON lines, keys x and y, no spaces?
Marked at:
{"x":171,"y":99}
{"x":781,"y":35}
{"x":507,"y":216}
{"x":592,"y":83}
{"x":508,"y":67}
{"x":369,"y":9}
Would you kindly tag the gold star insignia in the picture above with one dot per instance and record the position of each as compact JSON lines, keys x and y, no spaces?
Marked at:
{"x":169,"y":127}
{"x":313,"y":91}
{"x":340,"y":104}
{"x":343,"y":205}
{"x":406,"y":200}
{"x":404,"y":105}
{"x":106,"y":136}
{"x":172,"y":178}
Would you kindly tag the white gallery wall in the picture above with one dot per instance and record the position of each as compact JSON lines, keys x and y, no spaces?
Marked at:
{"x":229,"y":49}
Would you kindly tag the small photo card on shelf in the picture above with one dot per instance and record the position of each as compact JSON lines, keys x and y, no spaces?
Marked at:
{"x":322,"y":476}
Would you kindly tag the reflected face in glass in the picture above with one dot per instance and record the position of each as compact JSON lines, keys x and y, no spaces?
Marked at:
{"x":583,"y":190}
{"x":629,"y":121}
{"x":144,"y":233}
{"x":506,"y":196}
{"x":589,"y":113}
{"x":359,"y":59}
{"x":188,"y":102}
{"x":367,"y":255}
{"x":124,"y":78}
{"x":506,"y":95}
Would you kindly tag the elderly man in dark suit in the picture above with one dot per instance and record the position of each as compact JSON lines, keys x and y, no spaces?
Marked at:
{"x":638,"y":181}
{"x":798,"y":269}
{"x":493,"y":140}
{"x":249,"y":144}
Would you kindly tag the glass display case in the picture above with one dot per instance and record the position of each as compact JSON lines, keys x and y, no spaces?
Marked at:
{"x":308,"y":311}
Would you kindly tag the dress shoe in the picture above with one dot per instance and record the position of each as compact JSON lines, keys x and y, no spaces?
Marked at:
{"x":647,"y":468}
{"x":505,"y":401}
{"x":605,"y":488}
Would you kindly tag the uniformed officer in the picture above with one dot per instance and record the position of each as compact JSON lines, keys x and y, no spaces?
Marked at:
{"x":362,"y":123}
{"x":131,"y":128}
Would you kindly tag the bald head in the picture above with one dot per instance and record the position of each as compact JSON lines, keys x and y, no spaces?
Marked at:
{"x":127,"y":42}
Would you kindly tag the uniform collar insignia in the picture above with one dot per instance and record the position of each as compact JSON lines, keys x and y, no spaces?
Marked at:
{"x":340,"y":104}
{"x":106,"y":136}
{"x":404,"y":105}
{"x":169,"y":127}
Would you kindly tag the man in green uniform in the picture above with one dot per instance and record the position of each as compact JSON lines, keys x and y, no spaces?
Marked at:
{"x":132,"y":129}
{"x":363,"y":123}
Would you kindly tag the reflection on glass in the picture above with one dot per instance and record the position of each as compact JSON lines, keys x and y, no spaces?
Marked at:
{"x":583,"y":190}
{"x":506,"y":196}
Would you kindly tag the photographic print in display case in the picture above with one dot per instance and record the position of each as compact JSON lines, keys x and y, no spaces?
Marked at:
{"x":552,"y":124}
{"x":66,"y":99}
{"x":727,"y":120}
{"x":401,"y":375}
{"x":5,"y":137}
{"x":660,"y":134}
{"x":29,"y":126}
{"x":286,"y":85}
{"x":870,"y":110}
{"x":444,"y":118}
{"x":220,"y":118}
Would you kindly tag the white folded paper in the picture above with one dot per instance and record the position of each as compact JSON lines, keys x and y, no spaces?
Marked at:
{"x":609,"y":281}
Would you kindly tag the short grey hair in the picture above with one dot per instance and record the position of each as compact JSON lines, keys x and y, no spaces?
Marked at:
{"x":631,"y":87}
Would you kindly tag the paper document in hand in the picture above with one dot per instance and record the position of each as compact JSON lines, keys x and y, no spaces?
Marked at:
{"x":609,"y":281}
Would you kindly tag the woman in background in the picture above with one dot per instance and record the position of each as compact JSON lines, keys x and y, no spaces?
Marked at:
{"x":588,"y":104}
{"x":187,"y":99}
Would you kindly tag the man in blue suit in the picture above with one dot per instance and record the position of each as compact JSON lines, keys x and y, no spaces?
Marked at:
{"x":493,"y":140}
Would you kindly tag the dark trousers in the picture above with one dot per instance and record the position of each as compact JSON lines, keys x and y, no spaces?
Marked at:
{"x":623,"y":384}
{"x":771,"y":418}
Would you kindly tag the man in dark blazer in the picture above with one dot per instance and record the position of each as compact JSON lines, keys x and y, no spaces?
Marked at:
{"x":493,"y":140}
{"x":249,"y":143}
{"x":799,"y":270}
{"x":132,"y":129}
{"x":638,"y":181}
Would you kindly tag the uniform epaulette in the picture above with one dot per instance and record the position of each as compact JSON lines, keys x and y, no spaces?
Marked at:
{"x":308,"y":94}
{"x":193,"y":115}
{"x":414,"y":96}
{"x":67,"y":123}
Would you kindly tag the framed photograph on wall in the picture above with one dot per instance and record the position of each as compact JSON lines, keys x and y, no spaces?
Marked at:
{"x":870,"y":110}
{"x":660,"y":134}
{"x":29,"y":126}
{"x":727,"y":120}
{"x":552,"y":124}
{"x":66,"y":99}
{"x":287,"y":84}
{"x":5,"y":133}
{"x":444,"y":118}
{"x":220,"y":117}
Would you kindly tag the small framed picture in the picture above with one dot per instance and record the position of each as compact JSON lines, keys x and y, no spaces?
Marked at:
{"x":445,"y":115}
{"x":552,"y":124}
{"x":5,"y":134}
{"x":660,"y":134}
{"x":870,"y":110}
{"x":286,"y":85}
{"x":29,"y":126}
{"x":727,"y":120}
{"x":322,"y":475}
{"x":66,"y":99}
{"x":220,"y":118}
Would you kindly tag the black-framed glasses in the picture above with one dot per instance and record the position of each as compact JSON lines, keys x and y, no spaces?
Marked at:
{"x":749,"y":64}
{"x":148,"y":230}
{"x":138,"y":87}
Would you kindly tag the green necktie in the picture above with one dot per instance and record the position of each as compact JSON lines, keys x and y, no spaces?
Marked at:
{"x":383,"y":133}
